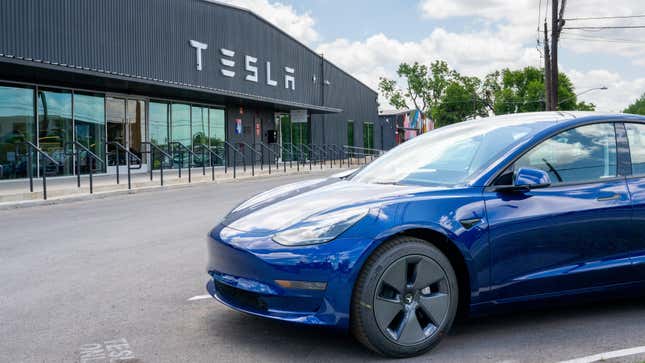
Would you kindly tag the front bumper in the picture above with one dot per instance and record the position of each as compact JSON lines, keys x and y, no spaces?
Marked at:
{"x":244,"y":269}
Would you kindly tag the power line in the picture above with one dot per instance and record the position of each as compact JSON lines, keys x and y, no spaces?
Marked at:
{"x":605,"y":17}
{"x":607,"y":27}
{"x":608,"y":40}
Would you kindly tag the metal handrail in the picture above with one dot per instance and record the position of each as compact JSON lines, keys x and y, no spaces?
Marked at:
{"x":280,"y":156}
{"x":236,"y":151}
{"x":270,"y":153}
{"x":211,"y":153}
{"x":158,"y":149}
{"x":31,"y":147}
{"x":321,"y":157}
{"x":128,"y":157}
{"x":191,"y":154}
{"x":90,"y":156}
{"x":257,"y":153}
{"x":311,"y":154}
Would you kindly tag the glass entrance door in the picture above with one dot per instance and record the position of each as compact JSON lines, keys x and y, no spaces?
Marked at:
{"x":126,"y":124}
{"x":292,"y":133}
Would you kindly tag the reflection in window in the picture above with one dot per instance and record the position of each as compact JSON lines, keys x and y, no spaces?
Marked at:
{"x":17,"y":124}
{"x":217,"y":131}
{"x":181,"y":130}
{"x":585,"y":153}
{"x":55,"y":133}
{"x":200,"y":125}
{"x":89,"y":120}
{"x":159,"y":123}
{"x":368,"y":135}
{"x":636,"y":137}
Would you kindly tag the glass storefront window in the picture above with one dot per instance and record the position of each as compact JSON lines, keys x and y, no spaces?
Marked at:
{"x":217,"y":129}
{"x":17,"y":124}
{"x":136,"y":123}
{"x":55,"y":132}
{"x":159,"y":123}
{"x":200,"y":125}
{"x":89,"y":121}
{"x":368,"y":135}
{"x":180,"y":116}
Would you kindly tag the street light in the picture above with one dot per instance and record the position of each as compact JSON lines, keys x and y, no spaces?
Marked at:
{"x":602,"y":88}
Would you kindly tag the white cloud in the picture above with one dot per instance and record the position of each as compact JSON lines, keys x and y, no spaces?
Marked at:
{"x":506,"y":38}
{"x":619,"y":94}
{"x":517,"y":20}
{"x":299,"y":25}
{"x":469,"y":53}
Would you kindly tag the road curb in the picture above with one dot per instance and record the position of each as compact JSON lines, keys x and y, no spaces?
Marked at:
{"x":148,"y":189}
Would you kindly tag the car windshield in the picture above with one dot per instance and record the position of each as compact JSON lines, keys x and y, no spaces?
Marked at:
{"x":450,"y":155}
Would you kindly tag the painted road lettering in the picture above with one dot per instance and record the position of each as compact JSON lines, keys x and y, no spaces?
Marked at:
{"x":112,"y":351}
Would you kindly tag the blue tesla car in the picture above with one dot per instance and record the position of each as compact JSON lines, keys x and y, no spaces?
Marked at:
{"x":466,"y":218}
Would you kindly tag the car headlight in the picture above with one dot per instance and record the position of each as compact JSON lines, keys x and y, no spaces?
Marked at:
{"x":320,"y":228}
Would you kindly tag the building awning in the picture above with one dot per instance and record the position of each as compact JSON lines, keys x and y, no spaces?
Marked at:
{"x":136,"y":83}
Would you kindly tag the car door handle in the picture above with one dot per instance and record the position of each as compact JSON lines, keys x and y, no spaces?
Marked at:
{"x":614,"y":196}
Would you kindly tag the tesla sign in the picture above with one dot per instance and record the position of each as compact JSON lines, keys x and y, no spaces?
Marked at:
{"x":250,"y":69}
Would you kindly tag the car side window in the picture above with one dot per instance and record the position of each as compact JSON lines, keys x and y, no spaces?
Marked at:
{"x":636,"y":138}
{"x":585,"y":153}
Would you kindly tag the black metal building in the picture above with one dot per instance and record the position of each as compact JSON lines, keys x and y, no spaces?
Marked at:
{"x":161,"y":71}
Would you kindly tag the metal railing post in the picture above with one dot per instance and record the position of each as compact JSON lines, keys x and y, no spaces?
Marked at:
{"x":44,"y":179}
{"x":91,"y":172}
{"x":118,"y":162}
{"x":30,"y":171}
{"x":129,"y":171}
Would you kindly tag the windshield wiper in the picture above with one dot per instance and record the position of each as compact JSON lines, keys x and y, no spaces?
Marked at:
{"x":384,"y":182}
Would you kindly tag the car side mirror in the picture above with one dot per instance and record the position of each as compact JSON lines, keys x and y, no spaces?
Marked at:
{"x":529,"y":178}
{"x":525,"y":179}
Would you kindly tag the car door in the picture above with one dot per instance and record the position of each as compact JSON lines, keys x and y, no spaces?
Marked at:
{"x":571,"y":235}
{"x":636,"y":185}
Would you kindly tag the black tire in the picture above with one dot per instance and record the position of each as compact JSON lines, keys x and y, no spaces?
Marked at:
{"x":426,"y":314}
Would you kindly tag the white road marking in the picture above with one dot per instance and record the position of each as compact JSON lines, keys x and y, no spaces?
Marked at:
{"x":608,"y":355}
{"x":112,"y":351}
{"x":200,"y":297}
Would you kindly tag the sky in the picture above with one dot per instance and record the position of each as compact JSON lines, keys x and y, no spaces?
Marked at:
{"x":369,"y":39}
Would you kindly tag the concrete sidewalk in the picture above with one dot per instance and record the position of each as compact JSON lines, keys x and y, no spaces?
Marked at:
{"x":16,"y":194}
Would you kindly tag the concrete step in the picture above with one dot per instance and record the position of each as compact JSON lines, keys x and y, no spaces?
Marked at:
{"x":13,"y":194}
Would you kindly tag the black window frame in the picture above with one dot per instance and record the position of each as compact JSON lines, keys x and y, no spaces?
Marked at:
{"x":623,"y":156}
{"x":628,"y":148}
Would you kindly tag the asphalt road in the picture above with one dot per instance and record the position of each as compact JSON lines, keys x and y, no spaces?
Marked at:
{"x":86,"y":280}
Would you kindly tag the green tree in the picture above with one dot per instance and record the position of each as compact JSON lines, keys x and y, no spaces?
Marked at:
{"x":638,"y":107}
{"x":511,"y":91}
{"x":437,"y":91}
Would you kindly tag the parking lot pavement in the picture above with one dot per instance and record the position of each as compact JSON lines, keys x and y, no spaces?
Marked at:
{"x":113,"y":277}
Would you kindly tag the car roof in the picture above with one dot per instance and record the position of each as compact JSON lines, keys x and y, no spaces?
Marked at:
{"x":556,"y":116}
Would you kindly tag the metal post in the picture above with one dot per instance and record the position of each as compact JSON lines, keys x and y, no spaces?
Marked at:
{"x":203,"y":164}
{"x":44,"y":178}
{"x":118,"y":162}
{"x":30,"y":172}
{"x":78,"y":162}
{"x":152,"y":161}
{"x":190,"y":166}
{"x":91,"y":172}
{"x":252,"y":163}
{"x":234,"y":165}
{"x":129,"y":172}
{"x":160,"y":170}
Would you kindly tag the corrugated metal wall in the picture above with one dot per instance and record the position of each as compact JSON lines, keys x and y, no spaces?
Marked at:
{"x":150,"y":38}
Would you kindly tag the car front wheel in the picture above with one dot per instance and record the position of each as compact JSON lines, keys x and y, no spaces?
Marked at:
{"x":405,"y":299}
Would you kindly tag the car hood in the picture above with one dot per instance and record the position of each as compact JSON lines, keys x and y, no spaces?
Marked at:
{"x":284,"y":206}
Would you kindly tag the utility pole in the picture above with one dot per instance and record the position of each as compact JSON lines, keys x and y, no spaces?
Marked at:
{"x":557,"y":23}
{"x":547,"y":70}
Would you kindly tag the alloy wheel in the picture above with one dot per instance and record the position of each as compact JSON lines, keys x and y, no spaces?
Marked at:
{"x":412,"y":300}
